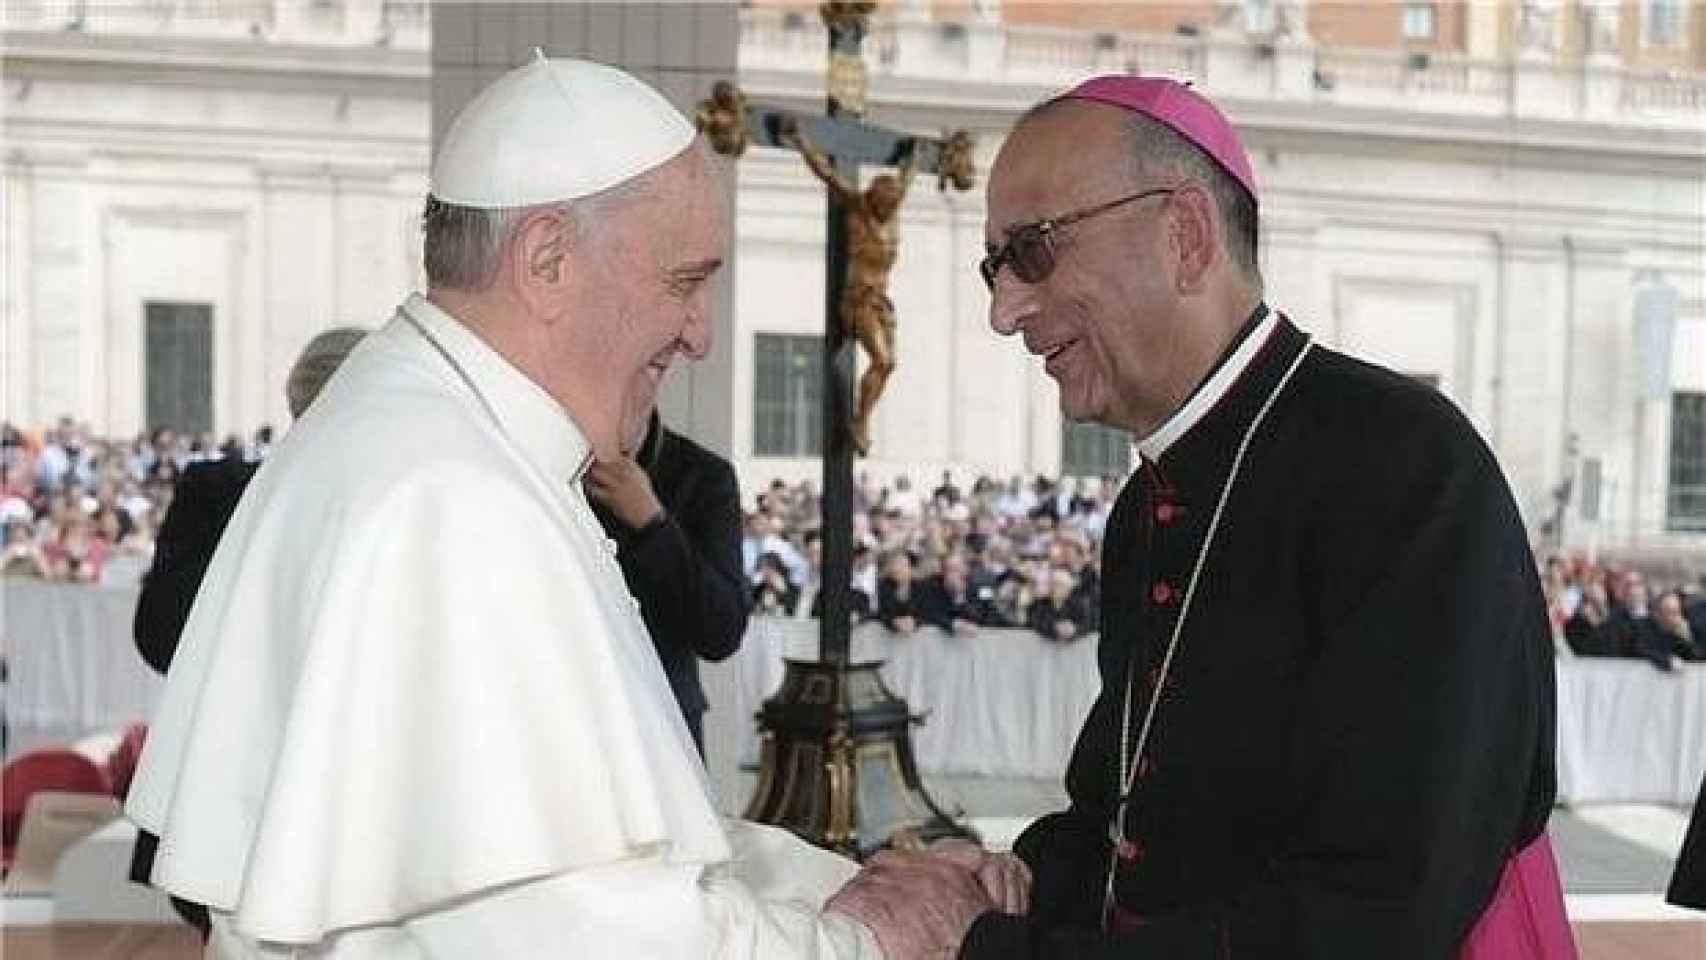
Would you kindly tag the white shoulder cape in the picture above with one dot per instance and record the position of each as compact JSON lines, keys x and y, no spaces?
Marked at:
{"x":413,"y":671}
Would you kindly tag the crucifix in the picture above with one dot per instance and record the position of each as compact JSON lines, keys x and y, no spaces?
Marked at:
{"x":837,"y":764}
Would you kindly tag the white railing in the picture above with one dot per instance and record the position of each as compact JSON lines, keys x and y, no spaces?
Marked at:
{"x":1247,"y":67}
{"x":1067,"y":51}
{"x":1667,"y":92}
{"x":1388,"y":72}
{"x":782,"y":36}
{"x":407,"y":13}
{"x":1160,"y":56}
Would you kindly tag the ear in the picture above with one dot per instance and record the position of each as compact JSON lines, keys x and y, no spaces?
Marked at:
{"x":1196,"y":237}
{"x":539,"y":263}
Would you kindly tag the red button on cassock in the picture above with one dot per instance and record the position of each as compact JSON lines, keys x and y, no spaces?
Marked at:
{"x":1166,"y":513}
{"x":1162,"y":592}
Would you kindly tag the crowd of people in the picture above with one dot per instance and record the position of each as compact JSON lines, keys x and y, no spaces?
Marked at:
{"x":1608,"y":611}
{"x":1010,"y":554}
{"x":81,"y":508}
{"x":1002,"y":554}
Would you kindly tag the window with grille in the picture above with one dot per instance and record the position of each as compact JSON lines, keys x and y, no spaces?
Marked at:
{"x":178,"y":376}
{"x":1685,"y":505}
{"x":1664,"y":22}
{"x":787,"y":402}
{"x":1420,"y":21}
{"x":1092,"y":450}
{"x":1258,"y":16}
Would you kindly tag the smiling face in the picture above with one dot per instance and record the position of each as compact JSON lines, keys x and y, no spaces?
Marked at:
{"x":1106,"y":321}
{"x":641,"y":292}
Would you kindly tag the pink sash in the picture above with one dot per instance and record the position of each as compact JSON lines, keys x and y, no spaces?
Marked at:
{"x":1526,"y":919}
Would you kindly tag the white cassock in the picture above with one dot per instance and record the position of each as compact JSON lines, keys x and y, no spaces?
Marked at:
{"x":415,"y":712}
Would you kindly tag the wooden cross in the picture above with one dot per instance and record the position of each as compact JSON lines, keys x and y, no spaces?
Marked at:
{"x":842,"y":142}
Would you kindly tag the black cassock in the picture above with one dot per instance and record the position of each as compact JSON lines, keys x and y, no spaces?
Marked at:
{"x":1357,"y":730}
{"x":1688,"y":883}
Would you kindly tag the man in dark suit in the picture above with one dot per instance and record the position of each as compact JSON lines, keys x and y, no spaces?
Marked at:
{"x":202,"y":503}
{"x":950,"y":603}
{"x":1631,"y":630}
{"x":673,"y":509}
{"x":203,"y":500}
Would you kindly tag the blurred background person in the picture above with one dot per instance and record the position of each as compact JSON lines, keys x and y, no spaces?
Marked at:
{"x":949,"y":602}
{"x":899,"y":601}
{"x":774,"y":594}
{"x":673,"y":508}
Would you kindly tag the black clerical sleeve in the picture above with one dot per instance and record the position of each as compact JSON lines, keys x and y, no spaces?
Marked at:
{"x":202,"y":503}
{"x":1688,"y":883}
{"x":1419,"y":754}
{"x":685,"y":569}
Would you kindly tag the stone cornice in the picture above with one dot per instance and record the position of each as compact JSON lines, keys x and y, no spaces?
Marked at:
{"x":195,"y":61}
{"x":183,"y":142}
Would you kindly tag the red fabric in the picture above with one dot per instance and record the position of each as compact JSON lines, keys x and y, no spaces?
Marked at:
{"x":1526,"y":920}
{"x":62,"y":770}
{"x":121,"y":766}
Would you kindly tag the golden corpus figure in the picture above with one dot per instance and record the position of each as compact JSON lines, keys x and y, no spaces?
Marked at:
{"x":872,"y":241}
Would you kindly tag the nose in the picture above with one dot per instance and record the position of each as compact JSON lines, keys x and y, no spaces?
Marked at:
{"x":1010,"y":303}
{"x":696,"y":333}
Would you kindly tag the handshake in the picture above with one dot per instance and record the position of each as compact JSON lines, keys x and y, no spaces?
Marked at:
{"x":920,"y":904}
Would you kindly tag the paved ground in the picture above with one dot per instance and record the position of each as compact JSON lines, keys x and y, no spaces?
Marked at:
{"x":1597,"y":857}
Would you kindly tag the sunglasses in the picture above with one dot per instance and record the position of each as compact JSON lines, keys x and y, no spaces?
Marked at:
{"x":1029,"y":249}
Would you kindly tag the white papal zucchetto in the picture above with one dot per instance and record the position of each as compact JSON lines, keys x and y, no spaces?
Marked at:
{"x":555,"y":129}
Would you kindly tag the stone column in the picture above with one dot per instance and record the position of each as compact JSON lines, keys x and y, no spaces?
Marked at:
{"x":1485,"y":42}
{"x":1601,"y":58}
{"x":986,"y":39}
{"x":1289,"y":269}
{"x":1530,"y":360}
{"x":1598,"y":411}
{"x":17,"y":380}
{"x":1653,"y":334}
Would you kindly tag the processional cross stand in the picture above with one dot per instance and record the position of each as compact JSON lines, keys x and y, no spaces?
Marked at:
{"x":836,"y":764}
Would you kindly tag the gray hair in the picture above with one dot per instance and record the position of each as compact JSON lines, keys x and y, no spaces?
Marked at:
{"x":462,"y":247}
{"x":1158,"y":151}
{"x":316,"y":364}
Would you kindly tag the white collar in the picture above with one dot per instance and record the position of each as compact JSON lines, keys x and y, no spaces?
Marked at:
{"x":1200,"y":403}
{"x":537,"y":424}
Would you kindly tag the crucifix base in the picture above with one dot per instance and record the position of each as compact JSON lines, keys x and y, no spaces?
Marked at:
{"x":836,"y":766}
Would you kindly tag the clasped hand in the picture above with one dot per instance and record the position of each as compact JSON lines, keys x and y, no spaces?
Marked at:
{"x":622,"y":487}
{"x":921,"y":904}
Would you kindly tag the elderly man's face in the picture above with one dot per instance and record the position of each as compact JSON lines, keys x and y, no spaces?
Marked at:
{"x":638,"y":403}
{"x":1102,"y":319}
{"x":650,"y":290}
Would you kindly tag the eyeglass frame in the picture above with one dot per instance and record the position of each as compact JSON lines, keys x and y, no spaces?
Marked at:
{"x":1044,"y":229}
